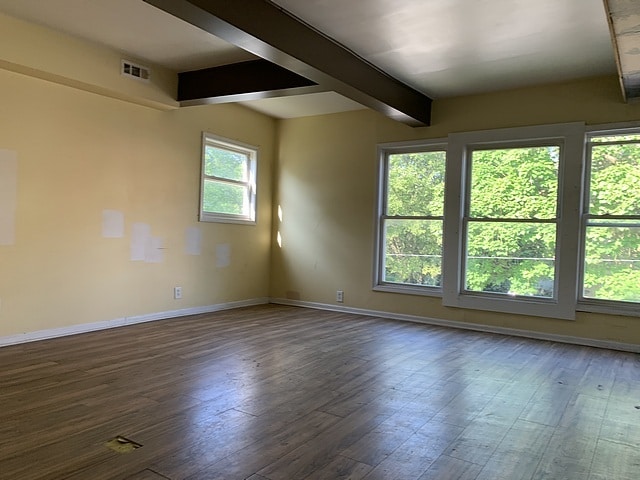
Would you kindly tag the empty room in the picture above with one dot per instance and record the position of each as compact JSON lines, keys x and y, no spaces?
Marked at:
{"x":319,"y":239}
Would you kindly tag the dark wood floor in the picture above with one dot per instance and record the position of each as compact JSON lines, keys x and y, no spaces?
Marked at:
{"x":285,"y":393}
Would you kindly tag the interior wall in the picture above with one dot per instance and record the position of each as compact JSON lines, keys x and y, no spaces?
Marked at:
{"x":326,"y":190}
{"x":106,"y":205}
{"x":100,"y":187}
{"x":57,"y":57}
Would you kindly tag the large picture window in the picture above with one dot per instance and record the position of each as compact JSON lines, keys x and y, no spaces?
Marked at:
{"x":541,"y":221}
{"x":228,"y":189}
{"x":611,"y":219}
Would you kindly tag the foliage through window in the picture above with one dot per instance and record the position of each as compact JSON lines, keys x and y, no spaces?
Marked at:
{"x":498,"y":232}
{"x":540,"y":220}
{"x":228,"y":189}
{"x":510,"y":224}
{"x":611,"y":226}
{"x":412,"y":220}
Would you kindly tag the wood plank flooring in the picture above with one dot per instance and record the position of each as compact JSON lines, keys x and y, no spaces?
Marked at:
{"x":284,"y":393}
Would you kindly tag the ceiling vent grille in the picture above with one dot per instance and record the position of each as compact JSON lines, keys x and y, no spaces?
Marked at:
{"x":133,"y":70}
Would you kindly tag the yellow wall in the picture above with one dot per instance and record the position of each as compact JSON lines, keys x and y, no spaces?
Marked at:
{"x":56,"y":57}
{"x":80,"y":153}
{"x":327,"y":185}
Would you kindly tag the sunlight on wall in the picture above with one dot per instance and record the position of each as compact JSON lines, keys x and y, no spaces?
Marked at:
{"x":279,"y":235}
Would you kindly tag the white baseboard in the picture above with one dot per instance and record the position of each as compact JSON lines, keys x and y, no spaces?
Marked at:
{"x":589,"y":342}
{"x":121,"y":322}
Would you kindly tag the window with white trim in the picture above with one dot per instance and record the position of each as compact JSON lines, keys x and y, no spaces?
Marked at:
{"x":538,"y":221}
{"x":610,"y":271}
{"x":511,"y":220}
{"x":507,"y":239}
{"x":228,"y":188}
{"x":410,"y":226}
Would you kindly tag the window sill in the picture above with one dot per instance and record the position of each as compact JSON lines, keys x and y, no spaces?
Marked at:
{"x":408,"y":289}
{"x":625,"y":309}
{"x":219,"y":218}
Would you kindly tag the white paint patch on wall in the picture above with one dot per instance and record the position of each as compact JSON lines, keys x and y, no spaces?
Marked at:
{"x":144,"y":246}
{"x":112,"y":224}
{"x":8,"y":196}
{"x":193,"y":241}
{"x":223,"y":255}
{"x":140,"y":238}
{"x":155,"y":250}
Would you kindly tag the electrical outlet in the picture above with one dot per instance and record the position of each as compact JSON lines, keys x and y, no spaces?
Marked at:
{"x":177,"y":293}
{"x":339,"y":296}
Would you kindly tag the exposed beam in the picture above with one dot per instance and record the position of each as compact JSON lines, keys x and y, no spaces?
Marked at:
{"x":267,"y":31}
{"x":624,"y":25}
{"x":241,"y":81}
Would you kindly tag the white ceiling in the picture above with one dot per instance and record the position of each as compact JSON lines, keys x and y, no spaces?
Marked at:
{"x":440,"y":47}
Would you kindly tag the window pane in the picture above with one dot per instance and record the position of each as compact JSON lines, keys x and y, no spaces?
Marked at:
{"x":615,"y":180}
{"x":225,"y":163}
{"x":413,"y":252}
{"x":515,"y":182}
{"x":612,"y":263}
{"x":221,"y":197}
{"x":511,"y":258}
{"x":415,"y":184}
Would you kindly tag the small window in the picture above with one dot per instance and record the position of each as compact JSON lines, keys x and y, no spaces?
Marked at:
{"x":611,"y":220}
{"x":410,"y":224}
{"x":228,"y":190}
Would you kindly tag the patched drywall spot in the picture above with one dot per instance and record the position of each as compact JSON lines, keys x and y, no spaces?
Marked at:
{"x":140,"y":238}
{"x":154,"y":253}
{"x":144,"y":246}
{"x":193,"y":241}
{"x":223,"y":255}
{"x":112,"y":224}
{"x":8,"y":196}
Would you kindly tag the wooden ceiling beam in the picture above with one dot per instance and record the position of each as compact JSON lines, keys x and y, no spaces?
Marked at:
{"x":241,"y":81}
{"x":264,"y":29}
{"x":624,"y":19}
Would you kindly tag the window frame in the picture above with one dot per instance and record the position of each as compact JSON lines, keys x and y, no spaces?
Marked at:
{"x":384,"y":151}
{"x":249,"y":186}
{"x":573,"y":197}
{"x":468,"y":219}
{"x":563,"y":305}
{"x":587,"y":304}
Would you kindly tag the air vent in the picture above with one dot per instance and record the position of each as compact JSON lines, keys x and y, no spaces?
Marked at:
{"x":133,"y":70}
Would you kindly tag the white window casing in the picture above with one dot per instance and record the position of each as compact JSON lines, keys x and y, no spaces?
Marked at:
{"x":242,"y":208}
{"x":570,"y":137}
{"x":627,"y":219}
{"x":384,"y":152}
{"x":570,"y":147}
